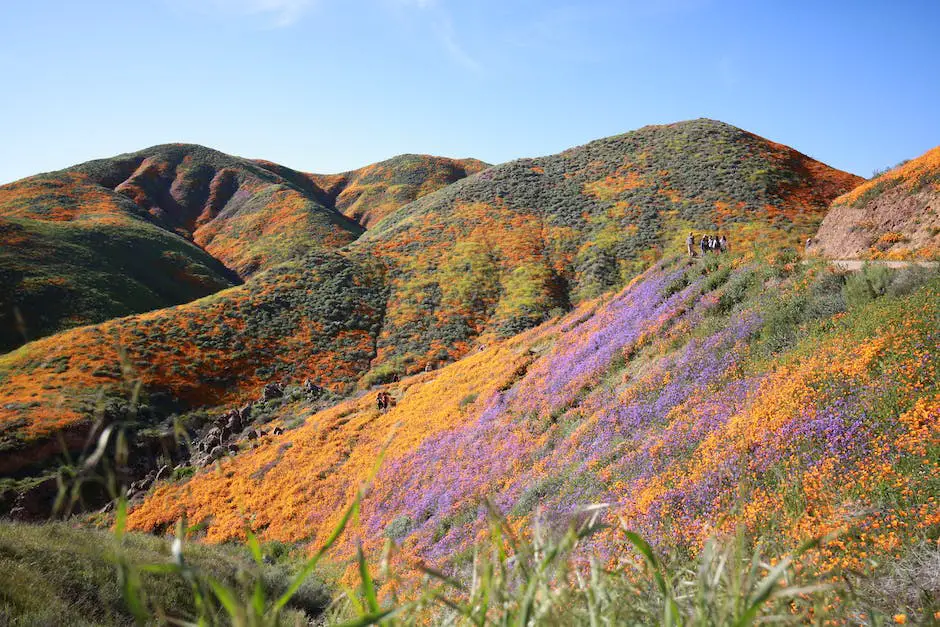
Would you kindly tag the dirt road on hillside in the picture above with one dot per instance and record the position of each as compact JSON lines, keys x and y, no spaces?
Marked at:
{"x":856,"y":264}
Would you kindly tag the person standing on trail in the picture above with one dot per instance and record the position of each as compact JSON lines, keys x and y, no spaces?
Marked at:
{"x":703,"y":244}
{"x":689,"y":243}
{"x":380,"y":402}
{"x":723,"y":243}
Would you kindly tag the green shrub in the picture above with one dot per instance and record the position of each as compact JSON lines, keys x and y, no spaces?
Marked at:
{"x":735,"y":292}
{"x":399,"y":528}
{"x":532,"y":495}
{"x":909,"y":279}
{"x":179,"y":474}
{"x":469,"y":399}
{"x":716,"y":278}
{"x":676,"y":285}
{"x":382,"y":374}
{"x":869,"y":283}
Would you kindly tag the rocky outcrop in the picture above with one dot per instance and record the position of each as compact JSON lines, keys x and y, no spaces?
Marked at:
{"x":893,"y":225}
{"x":893,"y":216}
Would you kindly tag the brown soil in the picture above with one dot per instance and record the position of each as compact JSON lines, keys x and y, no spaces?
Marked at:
{"x":894,"y":225}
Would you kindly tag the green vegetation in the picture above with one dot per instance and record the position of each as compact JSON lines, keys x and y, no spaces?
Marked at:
{"x":63,"y":275}
{"x":60,"y":574}
{"x":145,"y":231}
{"x":57,"y":574}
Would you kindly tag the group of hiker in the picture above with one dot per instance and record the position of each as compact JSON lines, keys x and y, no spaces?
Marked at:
{"x":708,"y":244}
{"x":383,"y":401}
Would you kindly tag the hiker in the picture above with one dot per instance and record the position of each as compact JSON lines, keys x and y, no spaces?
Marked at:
{"x":703,"y":244}
{"x":689,"y":243}
{"x":713,"y":243}
{"x":723,"y":243}
{"x":380,"y":402}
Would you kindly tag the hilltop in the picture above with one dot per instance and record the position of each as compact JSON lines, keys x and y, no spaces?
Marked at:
{"x":501,"y":251}
{"x":896,"y":215}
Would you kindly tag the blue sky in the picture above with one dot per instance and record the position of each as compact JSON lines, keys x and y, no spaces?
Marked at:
{"x":330,"y":85}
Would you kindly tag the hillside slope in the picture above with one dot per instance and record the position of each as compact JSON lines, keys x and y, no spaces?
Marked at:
{"x":700,"y":400}
{"x":247,"y":216}
{"x":893,"y":216}
{"x":74,"y":253}
{"x":498,"y":251}
{"x":426,"y":281}
{"x":315,"y":319}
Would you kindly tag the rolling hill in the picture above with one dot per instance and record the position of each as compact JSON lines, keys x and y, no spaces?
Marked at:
{"x":488,"y":256}
{"x":500,"y":251}
{"x":894,"y":216}
{"x":143,"y":231}
{"x":369,"y":194}
{"x":170,"y":224}
{"x":73,"y":252}
{"x":315,"y":319}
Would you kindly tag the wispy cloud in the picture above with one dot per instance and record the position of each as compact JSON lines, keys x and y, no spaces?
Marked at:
{"x":283,"y":13}
{"x":446,"y":35}
{"x":280,"y":12}
{"x":443,"y":30}
{"x":421,"y":4}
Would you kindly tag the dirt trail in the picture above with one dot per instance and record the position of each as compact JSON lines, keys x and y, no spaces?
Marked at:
{"x":856,"y":264}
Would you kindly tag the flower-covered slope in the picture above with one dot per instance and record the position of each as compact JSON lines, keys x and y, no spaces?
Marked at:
{"x":703,"y":398}
{"x":499,"y":251}
{"x":893,"y":216}
{"x":315,"y":319}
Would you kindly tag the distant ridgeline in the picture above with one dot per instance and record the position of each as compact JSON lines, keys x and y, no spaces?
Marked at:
{"x":494,"y":253}
{"x":174,"y":223}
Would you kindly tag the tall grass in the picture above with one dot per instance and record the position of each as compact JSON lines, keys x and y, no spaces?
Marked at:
{"x":546,"y":578}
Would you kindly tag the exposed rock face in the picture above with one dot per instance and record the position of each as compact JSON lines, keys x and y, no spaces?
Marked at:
{"x":35,"y":503}
{"x":893,"y":216}
{"x":272,"y":391}
{"x":895,"y":225}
